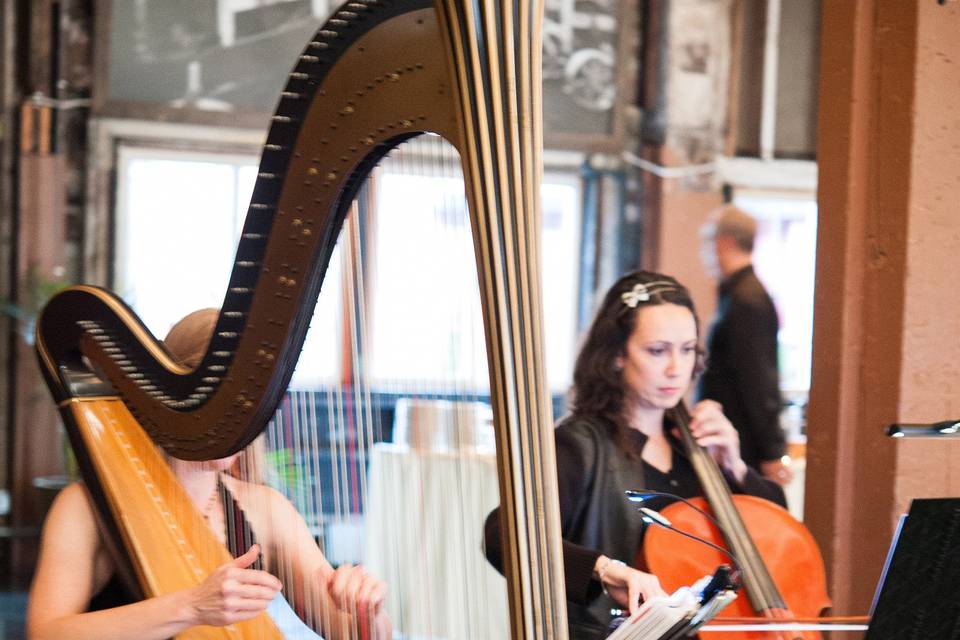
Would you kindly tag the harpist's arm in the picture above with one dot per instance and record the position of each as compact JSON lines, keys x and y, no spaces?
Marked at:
{"x":73,"y":567}
{"x":340,"y":605}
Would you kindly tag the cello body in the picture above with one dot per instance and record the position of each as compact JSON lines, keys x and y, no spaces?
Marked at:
{"x":786,"y":546}
{"x":780,"y":566}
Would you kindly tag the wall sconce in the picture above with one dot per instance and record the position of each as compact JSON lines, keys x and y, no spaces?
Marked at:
{"x":945,"y":429}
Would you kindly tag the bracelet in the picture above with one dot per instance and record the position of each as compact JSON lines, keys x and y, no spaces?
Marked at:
{"x":603,"y":569}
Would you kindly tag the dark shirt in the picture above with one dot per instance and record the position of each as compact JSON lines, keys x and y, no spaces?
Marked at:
{"x":113,"y":594}
{"x":593,"y":471}
{"x":742,"y":373}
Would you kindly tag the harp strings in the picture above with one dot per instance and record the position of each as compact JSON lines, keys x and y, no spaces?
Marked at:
{"x":359,"y":433}
{"x":383,"y":443}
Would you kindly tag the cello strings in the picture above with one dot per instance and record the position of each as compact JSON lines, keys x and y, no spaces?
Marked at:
{"x":760,"y":587}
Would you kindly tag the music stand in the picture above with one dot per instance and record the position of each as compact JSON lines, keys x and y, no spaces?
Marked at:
{"x":918,"y":597}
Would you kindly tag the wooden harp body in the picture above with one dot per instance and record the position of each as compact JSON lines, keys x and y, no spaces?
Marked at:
{"x":376,"y":74}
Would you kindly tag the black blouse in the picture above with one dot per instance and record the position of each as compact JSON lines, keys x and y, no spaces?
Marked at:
{"x":593,"y":471}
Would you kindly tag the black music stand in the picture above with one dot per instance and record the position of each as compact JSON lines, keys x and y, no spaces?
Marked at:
{"x":920,"y":592}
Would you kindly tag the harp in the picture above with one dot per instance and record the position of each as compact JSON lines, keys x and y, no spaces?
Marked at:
{"x":377,"y":74}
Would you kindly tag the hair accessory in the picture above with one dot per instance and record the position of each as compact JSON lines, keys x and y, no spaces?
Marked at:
{"x":641,"y":292}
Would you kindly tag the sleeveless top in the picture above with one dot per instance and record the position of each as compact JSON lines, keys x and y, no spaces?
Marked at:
{"x":239,"y":537}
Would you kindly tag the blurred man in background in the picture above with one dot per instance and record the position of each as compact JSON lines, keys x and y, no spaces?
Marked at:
{"x":742,"y":372}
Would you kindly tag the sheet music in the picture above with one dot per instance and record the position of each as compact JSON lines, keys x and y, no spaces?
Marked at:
{"x":676,"y":616}
{"x":658,"y":616}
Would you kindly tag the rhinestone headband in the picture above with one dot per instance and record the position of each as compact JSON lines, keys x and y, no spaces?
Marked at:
{"x":641,"y":292}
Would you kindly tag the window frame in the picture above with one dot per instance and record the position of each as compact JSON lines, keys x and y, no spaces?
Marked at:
{"x":112,"y":138}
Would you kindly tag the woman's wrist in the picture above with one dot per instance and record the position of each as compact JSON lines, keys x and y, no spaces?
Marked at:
{"x":599,"y":564}
{"x":185,"y":613}
{"x":602,"y":566}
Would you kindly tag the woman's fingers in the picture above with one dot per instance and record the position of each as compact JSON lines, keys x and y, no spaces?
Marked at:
{"x":237,"y":570}
{"x":641,"y":587}
{"x":233,"y":593}
{"x":706,"y":407}
{"x":247,"y":558}
{"x":713,"y":431}
{"x":371,"y":594}
{"x":633,"y":596}
{"x":254,"y":590}
{"x":343,"y":586}
{"x":710,"y":428}
{"x":244,"y":596}
{"x":650,"y":586}
{"x":629,"y":586}
{"x":711,"y":424}
{"x":252,"y":577}
{"x":707,"y":412}
{"x":355,"y":591}
{"x":714,"y":440}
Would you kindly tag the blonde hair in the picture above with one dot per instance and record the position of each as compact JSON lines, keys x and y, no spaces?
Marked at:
{"x":187,"y":342}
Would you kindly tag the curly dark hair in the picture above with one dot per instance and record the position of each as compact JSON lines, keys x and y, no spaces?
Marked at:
{"x":598,"y":389}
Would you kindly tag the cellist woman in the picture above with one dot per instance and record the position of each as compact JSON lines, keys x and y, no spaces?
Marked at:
{"x":638,"y":360}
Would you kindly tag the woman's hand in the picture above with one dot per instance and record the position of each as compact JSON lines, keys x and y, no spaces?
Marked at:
{"x":356,"y":592}
{"x":233,"y":593}
{"x":626,"y":585}
{"x":714,"y":432}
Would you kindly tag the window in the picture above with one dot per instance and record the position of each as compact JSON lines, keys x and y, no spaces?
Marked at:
{"x":179,"y":217}
{"x":425,"y":259}
{"x":426,"y":324}
{"x":179,"y":214}
{"x":775,"y":78}
{"x":773,"y":135}
{"x":784,"y":257}
{"x":561,"y":202}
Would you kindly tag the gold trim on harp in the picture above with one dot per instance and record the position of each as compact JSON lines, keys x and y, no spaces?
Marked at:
{"x":71,"y":401}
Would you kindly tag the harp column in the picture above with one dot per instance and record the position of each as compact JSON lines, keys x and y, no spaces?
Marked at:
{"x":497,"y":49}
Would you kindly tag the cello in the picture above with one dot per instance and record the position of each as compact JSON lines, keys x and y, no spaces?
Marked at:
{"x":781,"y":568}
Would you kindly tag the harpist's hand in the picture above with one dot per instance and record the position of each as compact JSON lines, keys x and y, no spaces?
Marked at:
{"x":355,"y":591}
{"x":233,"y":593}
{"x":626,"y":585}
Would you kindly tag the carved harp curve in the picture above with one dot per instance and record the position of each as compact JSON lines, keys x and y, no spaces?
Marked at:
{"x":377,"y":73}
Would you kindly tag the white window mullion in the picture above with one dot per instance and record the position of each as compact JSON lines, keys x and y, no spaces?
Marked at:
{"x":768,"y":109}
